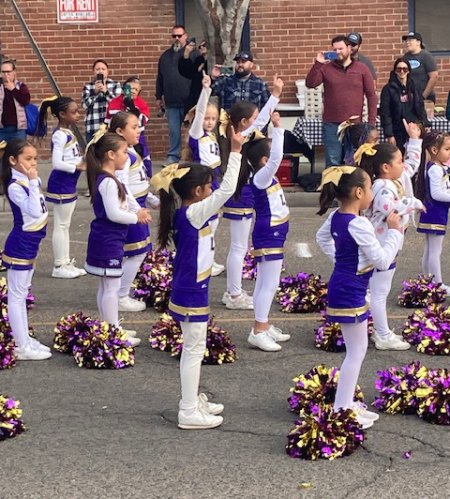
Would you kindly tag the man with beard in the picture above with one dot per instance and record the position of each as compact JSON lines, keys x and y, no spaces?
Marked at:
{"x":355,"y":40}
{"x":345,"y":83}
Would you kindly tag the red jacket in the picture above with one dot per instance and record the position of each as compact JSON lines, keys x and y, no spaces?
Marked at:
{"x":118,"y":104}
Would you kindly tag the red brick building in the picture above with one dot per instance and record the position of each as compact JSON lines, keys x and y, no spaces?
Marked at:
{"x":285,"y":35}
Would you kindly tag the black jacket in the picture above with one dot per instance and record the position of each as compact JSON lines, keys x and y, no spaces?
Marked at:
{"x":169,"y":83}
{"x":193,"y":70}
{"x":398,"y":102}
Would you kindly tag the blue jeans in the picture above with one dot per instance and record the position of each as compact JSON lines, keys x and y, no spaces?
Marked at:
{"x":175,"y":117}
{"x":89,"y":136}
{"x":11,"y":132}
{"x":333,"y":148}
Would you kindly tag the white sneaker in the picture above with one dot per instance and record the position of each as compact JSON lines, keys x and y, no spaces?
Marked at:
{"x":209,"y":407}
{"x":363,"y":421}
{"x":128,"y":304}
{"x":277,"y":334}
{"x":80,"y":271}
{"x":198,"y":419}
{"x":65,"y":272}
{"x":134,"y":342}
{"x":29,"y":352}
{"x":361,"y":409}
{"x":225,"y":297}
{"x":217,"y":269}
{"x":241,"y":302}
{"x":447,"y":288}
{"x":390,"y":342}
{"x":37,"y":344}
{"x":263,"y":341}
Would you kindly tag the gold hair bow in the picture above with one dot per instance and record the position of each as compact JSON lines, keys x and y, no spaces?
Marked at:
{"x":345,"y":124}
{"x":333,"y":174}
{"x":190,"y":115}
{"x":224,"y":119}
{"x":166,"y":176}
{"x":97,"y":135}
{"x":3,"y":144}
{"x":254,"y":136}
{"x":366,"y":148}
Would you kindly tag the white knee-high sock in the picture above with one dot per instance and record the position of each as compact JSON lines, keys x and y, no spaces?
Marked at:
{"x":100,"y":292}
{"x":62,"y":216}
{"x":194,"y":346}
{"x":380,"y":287}
{"x":239,"y":234}
{"x":355,"y":337}
{"x":434,"y":244}
{"x":268,"y":275}
{"x":109,"y":300}
{"x":131,"y":266}
{"x":18,"y":282}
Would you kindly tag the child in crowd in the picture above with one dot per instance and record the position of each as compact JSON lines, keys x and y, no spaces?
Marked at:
{"x":67,"y":164}
{"x":115,"y":209}
{"x":22,"y":186}
{"x":187,"y":206}
{"x":261,"y":162}
{"x":349,"y":239}
{"x":384,"y":164}
{"x":134,"y":176}
{"x":354,"y":136}
{"x":433,"y":188}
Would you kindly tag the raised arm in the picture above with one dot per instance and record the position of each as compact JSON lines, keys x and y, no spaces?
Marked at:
{"x":196,"y":130}
{"x":263,"y":177}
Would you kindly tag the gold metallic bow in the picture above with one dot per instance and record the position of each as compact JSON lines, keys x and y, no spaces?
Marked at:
{"x":345,"y":124}
{"x":333,"y":174}
{"x":97,"y":135}
{"x":224,"y":119}
{"x":3,"y":144}
{"x":166,"y":176}
{"x":366,"y":148}
{"x":190,"y":115}
{"x":254,"y":136}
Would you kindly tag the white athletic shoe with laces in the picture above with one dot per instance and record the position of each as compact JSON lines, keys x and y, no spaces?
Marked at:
{"x":79,"y":270}
{"x":361,"y":409}
{"x":390,"y":342}
{"x":217,"y":269}
{"x":128,"y":304}
{"x":30,"y":352}
{"x":37,"y":344}
{"x":65,"y":272}
{"x":241,"y":302}
{"x":263,"y":341}
{"x":198,"y":419}
{"x":209,"y":407}
{"x":277,"y":334}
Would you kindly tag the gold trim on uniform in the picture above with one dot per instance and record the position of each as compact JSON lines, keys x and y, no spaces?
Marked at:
{"x":432,"y":226}
{"x":138,"y":245}
{"x":274,"y":223}
{"x":206,"y":231}
{"x":17,"y":261}
{"x":140,"y":194}
{"x":364,"y":270}
{"x":23,"y":183}
{"x":201,"y":276}
{"x":347,"y":312}
{"x":188,"y":310}
{"x":39,"y":226}
{"x":237,"y":211}
{"x":273,"y":188}
{"x":267,"y":251}
{"x":214,"y":165}
{"x":61,"y":196}
{"x":136,"y":164}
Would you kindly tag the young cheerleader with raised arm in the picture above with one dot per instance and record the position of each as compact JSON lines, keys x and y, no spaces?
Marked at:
{"x":391,"y":191}
{"x":187,"y":205}
{"x":349,"y":240}
{"x":433,"y":188}
{"x":114,"y":209}
{"x":22,"y":185}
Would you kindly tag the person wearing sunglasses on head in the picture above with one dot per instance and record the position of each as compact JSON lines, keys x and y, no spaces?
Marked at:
{"x":400,"y":99}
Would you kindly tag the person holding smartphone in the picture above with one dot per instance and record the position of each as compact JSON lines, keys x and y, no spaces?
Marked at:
{"x":96,"y":96}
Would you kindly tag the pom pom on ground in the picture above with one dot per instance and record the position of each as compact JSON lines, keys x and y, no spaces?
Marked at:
{"x":10,"y":418}
{"x":303,"y":293}
{"x":421,"y":292}
{"x":323,"y":434}
{"x":433,"y":394}
{"x":166,"y":336}
{"x":7,"y":345}
{"x":154,"y":279}
{"x":429,"y":330}
{"x":69,"y":329}
{"x":328,"y":336}
{"x":397,"y":388}
{"x":316,"y":387}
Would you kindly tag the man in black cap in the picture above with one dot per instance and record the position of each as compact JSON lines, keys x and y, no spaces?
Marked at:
{"x":423,"y":66}
{"x":355,"y":40}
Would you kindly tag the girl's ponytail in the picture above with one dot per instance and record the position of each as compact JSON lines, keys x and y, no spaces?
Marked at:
{"x":327,"y":196}
{"x":168,"y":205}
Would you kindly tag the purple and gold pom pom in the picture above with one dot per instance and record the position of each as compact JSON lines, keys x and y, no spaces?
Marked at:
{"x":421,"y":292}
{"x":433,"y":393}
{"x":10,"y":418}
{"x":7,"y":345}
{"x":303,"y":293}
{"x":397,"y":388}
{"x":328,"y":336}
{"x":2,"y":267}
{"x":321,"y":433}
{"x":69,"y":329}
{"x":154,"y":279}
{"x":429,"y":330}
{"x":166,"y":336}
{"x":317,"y":386}
{"x":4,"y":296}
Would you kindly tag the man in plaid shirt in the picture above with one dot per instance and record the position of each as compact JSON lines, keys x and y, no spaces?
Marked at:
{"x":96,"y":96}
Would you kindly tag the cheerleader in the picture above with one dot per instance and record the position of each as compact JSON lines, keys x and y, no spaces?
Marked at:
{"x":134,"y":176}
{"x":67,"y":164}
{"x":22,"y":186}
{"x":187,"y":205}
{"x":433,"y":188}
{"x":349,"y":240}
{"x":115,"y":209}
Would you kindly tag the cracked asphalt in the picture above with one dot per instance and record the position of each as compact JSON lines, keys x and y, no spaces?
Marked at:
{"x":113,"y":434}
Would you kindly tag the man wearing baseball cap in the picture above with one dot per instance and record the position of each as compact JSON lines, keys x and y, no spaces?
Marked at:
{"x":355,"y":40}
{"x":423,"y":65}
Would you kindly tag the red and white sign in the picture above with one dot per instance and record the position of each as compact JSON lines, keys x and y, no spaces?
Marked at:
{"x":77,"y":11}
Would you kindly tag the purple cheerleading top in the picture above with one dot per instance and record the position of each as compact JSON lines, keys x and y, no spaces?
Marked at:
{"x":237,"y":209}
{"x":192,"y":269}
{"x":22,"y":243}
{"x":271,"y":223}
{"x":206,"y":151}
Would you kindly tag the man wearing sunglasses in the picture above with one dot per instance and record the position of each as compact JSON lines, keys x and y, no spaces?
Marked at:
{"x":355,"y":40}
{"x":172,"y":91}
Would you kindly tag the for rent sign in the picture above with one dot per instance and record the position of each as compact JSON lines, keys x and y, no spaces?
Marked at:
{"x":77,"y":11}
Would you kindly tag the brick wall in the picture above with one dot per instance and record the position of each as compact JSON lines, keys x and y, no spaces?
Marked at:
{"x":285,"y":36}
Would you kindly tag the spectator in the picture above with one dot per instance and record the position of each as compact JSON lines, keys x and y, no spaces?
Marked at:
{"x":423,"y":66}
{"x":345,"y":82}
{"x":96,"y":96}
{"x":400,"y":100}
{"x":14,"y":96}
{"x":173,"y":91}
{"x":355,"y":40}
